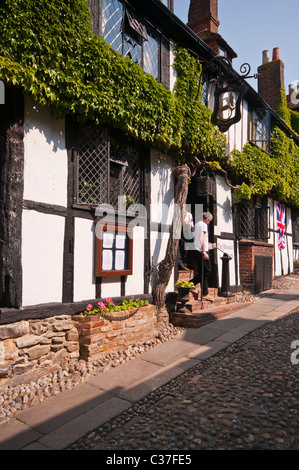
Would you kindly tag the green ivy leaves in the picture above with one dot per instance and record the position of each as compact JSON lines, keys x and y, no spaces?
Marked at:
{"x":48,"y":49}
{"x":278,"y":172}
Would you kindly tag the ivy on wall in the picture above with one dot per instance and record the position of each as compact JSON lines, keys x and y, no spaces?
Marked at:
{"x":277,"y":173}
{"x":48,"y":49}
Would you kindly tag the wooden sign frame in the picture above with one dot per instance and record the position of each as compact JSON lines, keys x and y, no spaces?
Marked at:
{"x":113,"y":250}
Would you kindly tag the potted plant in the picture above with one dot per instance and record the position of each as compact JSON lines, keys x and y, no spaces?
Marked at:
{"x":183,"y":288}
{"x":296,"y":266}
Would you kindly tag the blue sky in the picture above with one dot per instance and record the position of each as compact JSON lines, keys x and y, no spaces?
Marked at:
{"x":250,"y":27}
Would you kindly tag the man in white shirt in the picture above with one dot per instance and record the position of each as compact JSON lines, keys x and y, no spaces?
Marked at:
{"x":186,"y":237}
{"x":201,"y":242}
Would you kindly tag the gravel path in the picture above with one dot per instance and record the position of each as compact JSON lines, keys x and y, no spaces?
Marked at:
{"x":245,"y":397}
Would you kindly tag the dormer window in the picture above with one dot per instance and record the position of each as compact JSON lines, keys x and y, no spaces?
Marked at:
{"x":133,"y":28}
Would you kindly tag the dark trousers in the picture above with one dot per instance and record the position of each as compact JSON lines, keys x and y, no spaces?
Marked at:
{"x":203,"y":270}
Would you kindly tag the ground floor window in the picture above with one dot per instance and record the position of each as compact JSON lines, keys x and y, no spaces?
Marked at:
{"x":106,"y":167}
{"x":252,"y":219}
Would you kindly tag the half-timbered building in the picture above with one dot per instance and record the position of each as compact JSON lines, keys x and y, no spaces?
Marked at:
{"x":60,"y":178}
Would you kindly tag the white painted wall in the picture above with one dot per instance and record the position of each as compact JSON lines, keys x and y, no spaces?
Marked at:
{"x":283,"y":262}
{"x":42,"y":257}
{"x":162,"y":204}
{"x":162,"y":188}
{"x":158,"y":247}
{"x":84,"y":280}
{"x":237,"y":134}
{"x":224,"y":205}
{"x":45,"y":171}
{"x":228,"y":247}
{"x":135,"y":282}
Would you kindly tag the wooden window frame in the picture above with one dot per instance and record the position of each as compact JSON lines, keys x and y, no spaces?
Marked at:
{"x":101,"y":227}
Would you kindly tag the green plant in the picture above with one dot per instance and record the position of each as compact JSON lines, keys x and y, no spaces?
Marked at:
{"x":108,"y":306}
{"x":184,"y":284}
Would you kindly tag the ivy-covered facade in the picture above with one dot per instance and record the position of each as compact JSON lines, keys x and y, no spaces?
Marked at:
{"x":102,"y":100}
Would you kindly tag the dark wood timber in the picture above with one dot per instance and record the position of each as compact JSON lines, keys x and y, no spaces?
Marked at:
{"x":11,"y":194}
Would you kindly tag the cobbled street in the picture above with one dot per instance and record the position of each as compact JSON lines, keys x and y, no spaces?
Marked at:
{"x":245,"y":397}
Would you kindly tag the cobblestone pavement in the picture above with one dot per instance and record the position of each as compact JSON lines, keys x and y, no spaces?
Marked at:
{"x":245,"y":397}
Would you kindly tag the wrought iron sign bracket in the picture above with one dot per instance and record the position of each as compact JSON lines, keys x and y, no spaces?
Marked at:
{"x":229,"y":92}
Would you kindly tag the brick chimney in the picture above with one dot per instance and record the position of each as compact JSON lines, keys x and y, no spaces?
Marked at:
{"x":203,"y":15}
{"x":271,"y":78}
{"x":203,"y":20}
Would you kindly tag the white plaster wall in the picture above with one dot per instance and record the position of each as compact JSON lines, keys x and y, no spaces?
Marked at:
{"x":135,"y":282}
{"x":158,"y":247}
{"x":237,"y":134}
{"x":172,"y":72}
{"x":224,"y":206}
{"x":84,"y":280}
{"x":42,"y":257}
{"x":290,"y":240}
{"x":245,"y":123}
{"x":228,"y":247}
{"x":162,"y":205}
{"x":283,"y":258}
{"x":111,"y":287}
{"x":162,"y":188}
{"x":45,"y":172}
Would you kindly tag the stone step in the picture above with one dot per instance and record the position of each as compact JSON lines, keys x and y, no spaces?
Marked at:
{"x":198,"y":318}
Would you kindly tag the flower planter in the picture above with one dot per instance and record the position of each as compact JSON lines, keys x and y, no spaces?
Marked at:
{"x":183,"y":293}
{"x":114,"y":331}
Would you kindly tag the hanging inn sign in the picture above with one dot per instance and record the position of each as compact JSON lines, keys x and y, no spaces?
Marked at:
{"x":229,"y":92}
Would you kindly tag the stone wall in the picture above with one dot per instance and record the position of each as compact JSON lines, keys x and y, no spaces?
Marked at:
{"x":30,"y":349}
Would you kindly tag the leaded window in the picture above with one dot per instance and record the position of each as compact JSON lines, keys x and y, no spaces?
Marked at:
{"x":295,"y":227}
{"x":252,"y":220}
{"x":107,"y":167}
{"x":260,"y":129}
{"x":131,"y":37}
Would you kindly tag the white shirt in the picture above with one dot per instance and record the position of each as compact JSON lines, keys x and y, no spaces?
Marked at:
{"x":199,"y":228}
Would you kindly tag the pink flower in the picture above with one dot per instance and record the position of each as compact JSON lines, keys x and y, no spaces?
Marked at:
{"x":102,"y":306}
{"x":109,"y":301}
{"x":89,"y":307}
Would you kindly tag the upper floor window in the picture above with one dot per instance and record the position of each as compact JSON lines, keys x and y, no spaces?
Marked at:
{"x":130,"y":37}
{"x":260,"y":129}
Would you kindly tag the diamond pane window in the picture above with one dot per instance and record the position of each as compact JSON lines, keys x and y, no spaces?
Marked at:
{"x":253,"y":220}
{"x":295,"y":227}
{"x":130,"y":37}
{"x":92,"y":178}
{"x":151,"y":55}
{"x":112,"y":23}
{"x":261,"y":129}
{"x":132,"y":50}
{"x":106,"y":169}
